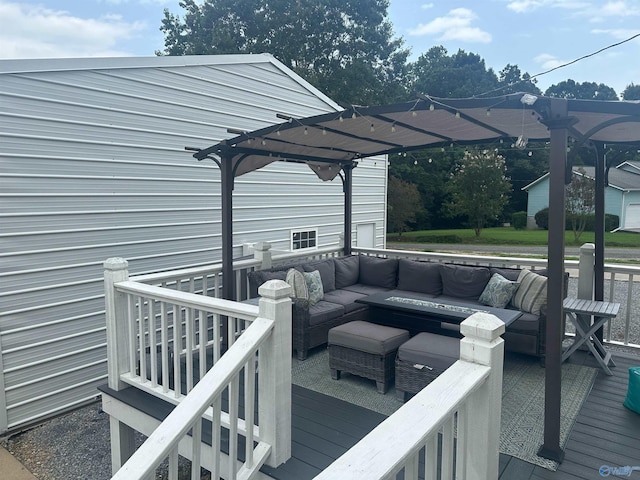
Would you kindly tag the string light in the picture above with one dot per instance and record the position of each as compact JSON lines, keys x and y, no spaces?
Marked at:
{"x":373,"y":129}
{"x":457,"y":114}
{"x":414,"y":113}
{"x":353,"y":115}
{"x":393,"y":128}
{"x":306,"y":132}
{"x":432,"y":107}
{"x":324,"y":131}
{"x":488,"y":112}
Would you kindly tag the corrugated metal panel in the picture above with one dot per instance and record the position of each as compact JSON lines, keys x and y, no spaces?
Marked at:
{"x":93,"y":165}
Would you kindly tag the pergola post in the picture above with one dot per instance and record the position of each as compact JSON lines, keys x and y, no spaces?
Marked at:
{"x":558,"y":123}
{"x":347,"y":187}
{"x":226,"y":189}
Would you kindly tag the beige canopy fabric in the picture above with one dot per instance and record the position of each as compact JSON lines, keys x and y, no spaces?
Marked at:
{"x":332,"y":144}
{"x":327,"y":141}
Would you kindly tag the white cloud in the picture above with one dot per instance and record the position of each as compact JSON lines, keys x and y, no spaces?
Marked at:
{"x":32,"y":31}
{"x":547,"y":61}
{"x":525,"y":6}
{"x":456,"y":25}
{"x":426,"y":6}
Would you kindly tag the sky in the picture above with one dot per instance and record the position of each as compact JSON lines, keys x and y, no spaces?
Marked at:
{"x":535,"y":35}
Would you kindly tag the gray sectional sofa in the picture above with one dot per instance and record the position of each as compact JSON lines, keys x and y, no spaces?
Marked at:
{"x":346,"y":279}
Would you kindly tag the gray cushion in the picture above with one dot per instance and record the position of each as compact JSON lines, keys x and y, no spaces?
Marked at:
{"x":327,"y":271}
{"x":345,"y":298}
{"x":464,"y":282}
{"x":365,"y":289}
{"x":508,"y":273}
{"x":528,"y":322}
{"x":435,"y":351}
{"x":368,"y":337}
{"x":380,"y":272}
{"x":423,"y":277}
{"x":347,"y":270}
{"x":258,"y":277}
{"x":323,"y":311}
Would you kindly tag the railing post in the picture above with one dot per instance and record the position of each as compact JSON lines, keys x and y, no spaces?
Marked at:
{"x":116,"y":270}
{"x":586,"y":271}
{"x":274,"y":375}
{"x":482,"y":344}
{"x":122,"y":436}
{"x":262,"y":252}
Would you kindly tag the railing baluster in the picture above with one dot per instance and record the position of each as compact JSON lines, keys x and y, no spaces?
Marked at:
{"x":411,"y":468}
{"x":173,"y":464}
{"x":203,"y":337}
{"x":461,"y":440}
{"x":196,"y":450}
{"x":189,"y":333}
{"x":233,"y":426}
{"x":177,"y":350}
{"x":431,"y":458}
{"x":141,"y":339}
{"x":153,"y":342}
{"x":249,"y":407}
{"x":164,"y":341}
{"x":628,"y":311}
{"x":133,"y":318}
{"x":447,"y":449}
{"x":215,"y":437}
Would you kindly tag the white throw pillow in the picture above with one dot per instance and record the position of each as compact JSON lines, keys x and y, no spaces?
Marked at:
{"x":298,"y":284}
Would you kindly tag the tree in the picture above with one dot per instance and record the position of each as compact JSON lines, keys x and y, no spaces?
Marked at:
{"x":583,"y":91}
{"x":460,"y":75}
{"x":513,"y":81}
{"x":479,"y":188}
{"x":403,"y":203}
{"x":632,"y":92}
{"x":579,"y":201}
{"x":345,"y":48}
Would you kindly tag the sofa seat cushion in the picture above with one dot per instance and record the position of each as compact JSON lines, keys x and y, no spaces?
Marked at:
{"x":528,"y":322}
{"x":464,"y":282}
{"x":324,"y":311}
{"x":421,"y":277}
{"x":346,"y":298}
{"x":365,"y":289}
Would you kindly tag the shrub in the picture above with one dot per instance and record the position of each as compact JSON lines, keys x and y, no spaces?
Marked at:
{"x":519,"y":220}
{"x":439,"y":239}
{"x":542,"y":218}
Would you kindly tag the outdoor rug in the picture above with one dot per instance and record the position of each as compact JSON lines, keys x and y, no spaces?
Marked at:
{"x":521,"y":430}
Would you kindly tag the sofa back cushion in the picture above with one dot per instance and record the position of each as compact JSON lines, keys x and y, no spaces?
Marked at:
{"x":379,"y":272}
{"x":422,"y":277}
{"x":464,"y":282}
{"x":347,"y":270}
{"x":258,"y":277}
{"x":327,"y":269}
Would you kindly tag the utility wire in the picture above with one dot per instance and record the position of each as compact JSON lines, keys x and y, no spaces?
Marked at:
{"x":563,"y":65}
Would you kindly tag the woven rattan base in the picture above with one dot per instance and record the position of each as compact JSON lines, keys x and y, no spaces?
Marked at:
{"x":375,"y":367}
{"x":411,"y":379}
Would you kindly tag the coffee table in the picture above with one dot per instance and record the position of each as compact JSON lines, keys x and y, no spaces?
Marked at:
{"x":407,"y":305}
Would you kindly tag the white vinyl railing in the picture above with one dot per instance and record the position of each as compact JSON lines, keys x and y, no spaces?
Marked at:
{"x":460,"y":410}
{"x":167,"y":343}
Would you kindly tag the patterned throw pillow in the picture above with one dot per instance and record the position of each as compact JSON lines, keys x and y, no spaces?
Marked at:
{"x":498,"y":292}
{"x":314,"y":285}
{"x":532,"y":292}
{"x":298,"y":284}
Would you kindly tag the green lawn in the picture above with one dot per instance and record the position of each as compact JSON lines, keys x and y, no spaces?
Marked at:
{"x":511,"y":236}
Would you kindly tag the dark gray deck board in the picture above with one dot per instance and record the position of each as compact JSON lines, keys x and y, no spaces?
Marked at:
{"x":605,"y":433}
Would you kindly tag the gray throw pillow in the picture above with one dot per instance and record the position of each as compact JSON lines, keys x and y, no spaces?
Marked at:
{"x":378,"y":272}
{"x":347,"y":270}
{"x":314,"y":286}
{"x":498,"y":292}
{"x":463,"y":282}
{"x":422,"y":277}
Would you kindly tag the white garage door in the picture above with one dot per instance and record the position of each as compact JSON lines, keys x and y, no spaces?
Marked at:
{"x":632,"y":216}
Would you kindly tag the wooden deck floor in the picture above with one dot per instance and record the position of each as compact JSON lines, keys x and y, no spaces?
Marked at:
{"x":605,"y":433}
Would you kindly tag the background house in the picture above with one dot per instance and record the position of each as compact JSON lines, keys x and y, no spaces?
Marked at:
{"x":622,"y":195}
{"x":93,"y":166}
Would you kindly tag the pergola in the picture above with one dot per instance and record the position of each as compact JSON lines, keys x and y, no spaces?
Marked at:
{"x":332,"y":145}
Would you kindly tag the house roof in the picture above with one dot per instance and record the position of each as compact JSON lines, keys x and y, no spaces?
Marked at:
{"x":328,"y":141}
{"x":617,"y":178}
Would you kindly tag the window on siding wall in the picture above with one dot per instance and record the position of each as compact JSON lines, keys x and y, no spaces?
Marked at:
{"x":304,"y":239}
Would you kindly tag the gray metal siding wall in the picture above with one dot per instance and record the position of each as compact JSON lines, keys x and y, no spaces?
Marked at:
{"x":92,"y":166}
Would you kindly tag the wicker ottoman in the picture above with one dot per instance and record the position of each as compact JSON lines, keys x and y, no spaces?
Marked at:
{"x":365,"y":349}
{"x":422,"y":359}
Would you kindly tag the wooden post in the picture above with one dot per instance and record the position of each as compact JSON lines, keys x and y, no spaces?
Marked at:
{"x":274,"y":377}
{"x":262,"y":252}
{"x":482,"y":344}
{"x":122,"y":436}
